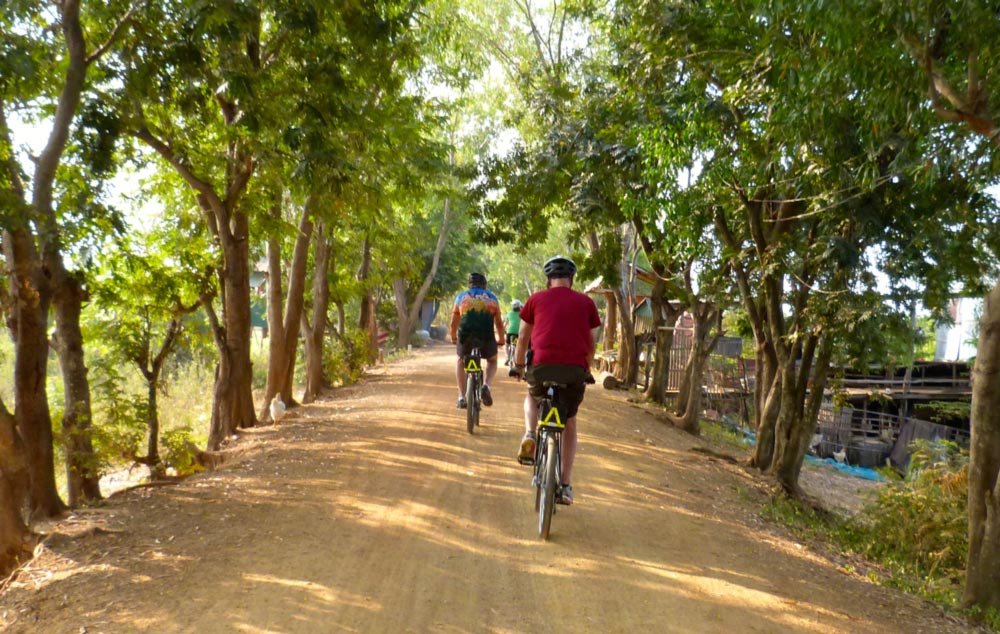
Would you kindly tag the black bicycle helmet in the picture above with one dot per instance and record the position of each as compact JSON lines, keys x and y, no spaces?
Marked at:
{"x":559,"y":266}
{"x":477,"y":279}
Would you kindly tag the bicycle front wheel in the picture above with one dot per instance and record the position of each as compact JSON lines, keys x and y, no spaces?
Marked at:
{"x":548,"y":488}
{"x":471,"y":404}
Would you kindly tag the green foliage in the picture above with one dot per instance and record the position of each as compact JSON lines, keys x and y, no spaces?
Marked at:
{"x":258,"y":357}
{"x":120,"y":414}
{"x":915,"y":529}
{"x":989,"y":617}
{"x":926,"y":341}
{"x":918,"y":527}
{"x":344,"y":361}
{"x":806,"y":523}
{"x":945,"y":412}
{"x":716,"y":433}
{"x":180,"y":451}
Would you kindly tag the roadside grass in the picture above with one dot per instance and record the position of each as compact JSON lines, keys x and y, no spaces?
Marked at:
{"x":723,"y":435}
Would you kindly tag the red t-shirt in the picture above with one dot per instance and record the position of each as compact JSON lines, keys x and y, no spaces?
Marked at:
{"x":560,"y":319}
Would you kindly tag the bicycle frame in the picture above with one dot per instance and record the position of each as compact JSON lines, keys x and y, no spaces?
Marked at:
{"x":473,"y":388}
{"x":548,"y":458}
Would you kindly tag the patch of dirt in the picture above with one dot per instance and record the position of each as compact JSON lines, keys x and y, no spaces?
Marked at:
{"x":374,"y":510}
{"x":843,"y":494}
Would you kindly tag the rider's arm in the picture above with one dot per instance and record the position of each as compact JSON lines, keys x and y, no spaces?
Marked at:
{"x":453,"y":327}
{"x":523,"y":338}
{"x":498,"y":324}
{"x":593,"y":346}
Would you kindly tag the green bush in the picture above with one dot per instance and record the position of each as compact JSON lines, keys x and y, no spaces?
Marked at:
{"x":918,"y":527}
{"x":345,"y":360}
{"x":119,"y":429}
{"x":180,"y":451}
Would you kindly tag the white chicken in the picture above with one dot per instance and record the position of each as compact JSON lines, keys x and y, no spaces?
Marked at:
{"x":840,"y":456}
{"x":277,"y":408}
{"x":815,"y":442}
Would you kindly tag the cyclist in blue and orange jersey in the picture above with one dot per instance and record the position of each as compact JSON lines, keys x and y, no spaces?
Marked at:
{"x":560,"y":325}
{"x":512,"y":325}
{"x":474,"y":318}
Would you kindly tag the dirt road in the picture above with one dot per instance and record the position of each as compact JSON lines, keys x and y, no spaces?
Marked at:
{"x":375,"y":511}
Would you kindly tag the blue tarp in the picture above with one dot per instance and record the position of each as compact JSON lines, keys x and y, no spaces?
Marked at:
{"x":857,"y":472}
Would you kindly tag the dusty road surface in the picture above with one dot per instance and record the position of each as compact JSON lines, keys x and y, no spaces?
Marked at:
{"x":375,"y":511}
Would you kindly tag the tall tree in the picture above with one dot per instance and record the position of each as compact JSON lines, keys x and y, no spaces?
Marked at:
{"x":48,"y":70}
{"x":207,"y":136}
{"x":937,"y":58}
{"x":284,"y":323}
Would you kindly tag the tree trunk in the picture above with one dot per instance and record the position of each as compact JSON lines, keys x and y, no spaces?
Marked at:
{"x":705,"y":317}
{"x":982,"y":585}
{"x":151,"y":370}
{"x":315,"y":333}
{"x":684,"y":389}
{"x":233,"y":405}
{"x":366,"y":318}
{"x":763,"y":452}
{"x":15,"y":537}
{"x":611,"y":323}
{"x":405,"y":327}
{"x":296,"y":298}
{"x":29,"y":319}
{"x":341,"y":317}
{"x":83,"y":483}
{"x":794,"y":432}
{"x":627,"y":363}
{"x":665,"y":318}
{"x":778,"y":355}
{"x":283,"y":348}
{"x":275,"y":327}
{"x":153,"y":425}
{"x":30,"y":278}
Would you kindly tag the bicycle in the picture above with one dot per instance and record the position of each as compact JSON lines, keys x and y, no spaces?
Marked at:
{"x":548,"y":456}
{"x":473,"y":388}
{"x":509,"y":351}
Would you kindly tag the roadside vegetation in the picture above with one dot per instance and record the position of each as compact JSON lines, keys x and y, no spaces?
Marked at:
{"x":912,"y":535}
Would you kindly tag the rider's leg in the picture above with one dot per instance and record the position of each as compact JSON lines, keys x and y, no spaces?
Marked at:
{"x":460,"y":376}
{"x":568,"y":450}
{"x":491,"y":370}
{"x":530,"y":415}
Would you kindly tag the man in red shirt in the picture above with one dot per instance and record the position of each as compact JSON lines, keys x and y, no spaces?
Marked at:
{"x":561,"y":326}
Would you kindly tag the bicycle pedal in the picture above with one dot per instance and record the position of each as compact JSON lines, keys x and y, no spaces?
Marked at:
{"x":526,"y":461}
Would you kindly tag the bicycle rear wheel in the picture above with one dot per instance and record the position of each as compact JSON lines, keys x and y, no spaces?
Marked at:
{"x":471,"y":403}
{"x":538,"y":478}
{"x":548,"y":488}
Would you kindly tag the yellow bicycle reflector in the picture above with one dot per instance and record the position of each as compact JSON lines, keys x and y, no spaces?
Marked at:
{"x":472,"y":366}
{"x":553,"y":413}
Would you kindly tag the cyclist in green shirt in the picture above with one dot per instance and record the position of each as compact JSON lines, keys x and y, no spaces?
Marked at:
{"x":512,"y":324}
